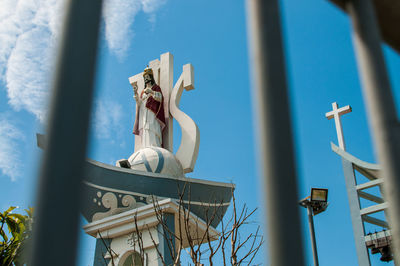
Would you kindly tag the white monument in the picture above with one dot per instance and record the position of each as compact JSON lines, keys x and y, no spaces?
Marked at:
{"x":157,"y":104}
{"x":335,"y":114}
{"x":120,"y":199}
{"x":360,"y":189}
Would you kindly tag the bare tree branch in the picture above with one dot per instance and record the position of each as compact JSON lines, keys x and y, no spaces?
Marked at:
{"x":156,"y":246}
{"x":109,"y":250}
{"x":140,"y":240}
{"x":199,"y":236}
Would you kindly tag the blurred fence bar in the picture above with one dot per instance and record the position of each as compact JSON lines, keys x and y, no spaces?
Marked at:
{"x":58,"y":198}
{"x":275,"y":133}
{"x":381,"y":107}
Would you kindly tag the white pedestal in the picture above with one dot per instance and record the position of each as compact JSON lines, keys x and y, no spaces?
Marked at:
{"x":119,"y":233}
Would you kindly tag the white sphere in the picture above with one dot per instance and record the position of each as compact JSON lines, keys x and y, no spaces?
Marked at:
{"x":156,"y":160}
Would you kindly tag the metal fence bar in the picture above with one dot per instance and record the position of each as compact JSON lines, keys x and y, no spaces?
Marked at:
{"x":381,"y":108}
{"x":58,"y":200}
{"x":275,"y":133}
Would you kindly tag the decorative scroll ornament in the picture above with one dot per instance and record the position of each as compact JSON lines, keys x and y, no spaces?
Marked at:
{"x":110,"y":201}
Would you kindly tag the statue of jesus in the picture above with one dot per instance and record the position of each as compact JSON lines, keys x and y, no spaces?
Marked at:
{"x":150,"y":118}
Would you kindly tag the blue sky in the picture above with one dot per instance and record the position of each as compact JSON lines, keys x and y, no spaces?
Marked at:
{"x":211,"y":35}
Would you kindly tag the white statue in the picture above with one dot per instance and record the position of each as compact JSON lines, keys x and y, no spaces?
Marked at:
{"x":156,"y":109}
{"x":150,"y":117}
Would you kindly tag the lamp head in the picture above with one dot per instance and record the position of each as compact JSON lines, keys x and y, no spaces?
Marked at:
{"x":319,"y":194}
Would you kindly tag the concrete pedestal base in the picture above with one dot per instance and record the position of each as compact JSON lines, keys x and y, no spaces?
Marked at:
{"x":117,"y":235}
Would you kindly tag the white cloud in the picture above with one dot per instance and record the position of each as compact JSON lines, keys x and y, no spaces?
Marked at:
{"x":106,"y":119}
{"x":10,"y":157}
{"x":119,"y":17}
{"x":28,"y":33}
{"x":29,"y":30}
{"x":151,"y":6}
{"x":26,"y":79}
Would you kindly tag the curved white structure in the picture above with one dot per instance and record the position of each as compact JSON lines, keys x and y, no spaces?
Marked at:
{"x":190,"y":141}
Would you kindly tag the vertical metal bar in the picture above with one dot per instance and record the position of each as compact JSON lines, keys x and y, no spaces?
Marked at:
{"x":381,"y":108}
{"x":356,"y":219}
{"x":312,"y":234}
{"x":275,"y":133}
{"x":58,"y":198}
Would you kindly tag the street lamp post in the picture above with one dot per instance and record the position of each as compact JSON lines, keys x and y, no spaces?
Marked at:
{"x":315,"y":204}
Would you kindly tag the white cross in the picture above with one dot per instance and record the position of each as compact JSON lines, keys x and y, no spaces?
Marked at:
{"x":336,"y":113}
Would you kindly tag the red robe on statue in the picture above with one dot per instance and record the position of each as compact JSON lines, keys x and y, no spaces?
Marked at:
{"x":155,"y":106}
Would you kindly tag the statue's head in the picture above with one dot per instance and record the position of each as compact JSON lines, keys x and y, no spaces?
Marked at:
{"x":148,"y":76}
